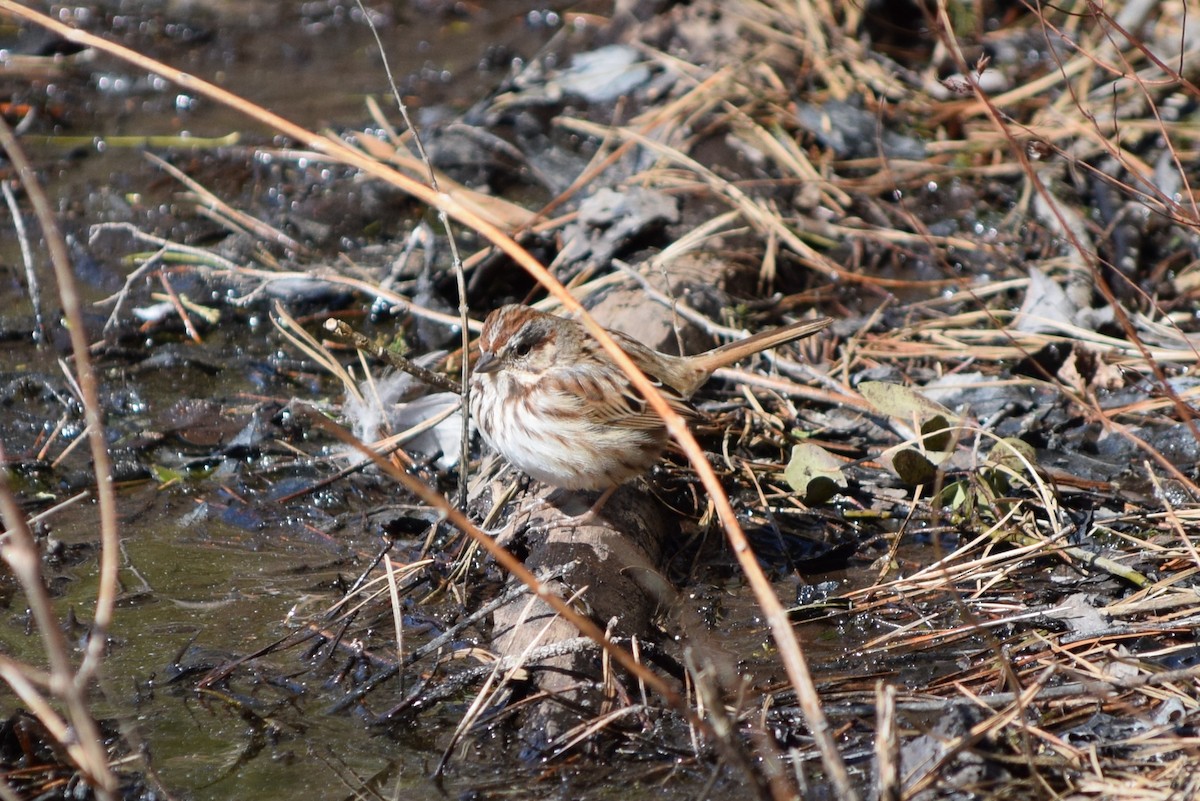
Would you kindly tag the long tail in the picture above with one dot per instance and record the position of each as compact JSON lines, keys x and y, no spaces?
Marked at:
{"x":731,"y":352}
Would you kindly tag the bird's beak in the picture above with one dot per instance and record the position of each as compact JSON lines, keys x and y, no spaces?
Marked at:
{"x":487,"y":363}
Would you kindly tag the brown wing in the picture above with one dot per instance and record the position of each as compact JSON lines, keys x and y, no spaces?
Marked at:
{"x":609,"y":399}
{"x":637,"y":412}
{"x":618,"y":403}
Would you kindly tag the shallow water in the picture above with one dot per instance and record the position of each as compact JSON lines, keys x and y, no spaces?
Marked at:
{"x":211,"y":567}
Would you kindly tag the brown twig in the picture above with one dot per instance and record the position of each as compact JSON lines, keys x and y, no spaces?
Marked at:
{"x":344,"y":332}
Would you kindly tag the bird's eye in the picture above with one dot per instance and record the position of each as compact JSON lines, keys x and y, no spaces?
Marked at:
{"x":522,"y":348}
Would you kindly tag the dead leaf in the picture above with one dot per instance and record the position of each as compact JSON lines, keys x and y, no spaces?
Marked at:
{"x":903,"y":403}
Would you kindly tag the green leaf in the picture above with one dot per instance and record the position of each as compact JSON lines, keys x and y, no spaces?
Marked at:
{"x":913,"y":467}
{"x":937,"y":433}
{"x":166,"y":475}
{"x":958,"y":496}
{"x":814,"y":473}
{"x":935,"y":423}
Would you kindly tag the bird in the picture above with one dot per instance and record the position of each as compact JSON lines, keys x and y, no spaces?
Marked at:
{"x":552,"y":402}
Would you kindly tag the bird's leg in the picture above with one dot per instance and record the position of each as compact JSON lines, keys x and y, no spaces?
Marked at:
{"x":599,"y":504}
{"x":592,"y":515}
{"x":563,"y":500}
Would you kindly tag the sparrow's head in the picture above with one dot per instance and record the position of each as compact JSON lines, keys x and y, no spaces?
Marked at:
{"x":520,"y":340}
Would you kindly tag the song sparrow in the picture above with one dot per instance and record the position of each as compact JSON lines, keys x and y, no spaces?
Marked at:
{"x":553,"y":403}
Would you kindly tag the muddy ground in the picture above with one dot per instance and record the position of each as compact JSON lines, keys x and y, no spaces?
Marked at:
{"x":974,"y":492}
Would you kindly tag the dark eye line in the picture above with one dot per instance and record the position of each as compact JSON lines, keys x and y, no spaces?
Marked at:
{"x":522,"y":347}
{"x":525,"y":341}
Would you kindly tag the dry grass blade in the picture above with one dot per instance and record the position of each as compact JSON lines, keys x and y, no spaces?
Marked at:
{"x":298,"y":336}
{"x":19,"y":549}
{"x":222,"y":211}
{"x":504,"y":671}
